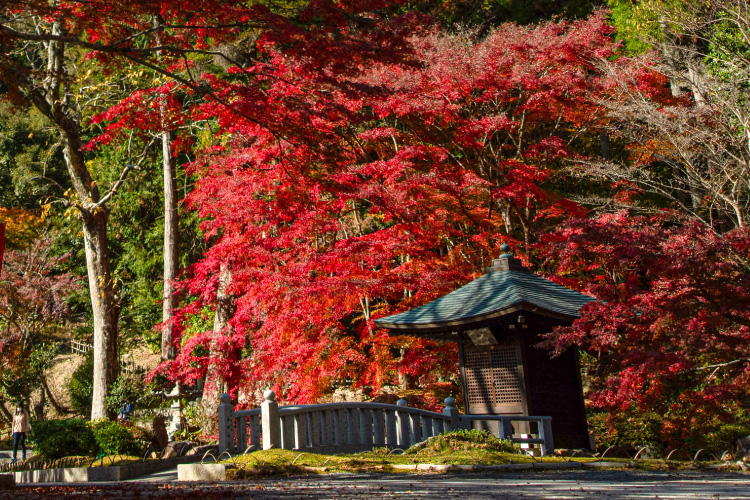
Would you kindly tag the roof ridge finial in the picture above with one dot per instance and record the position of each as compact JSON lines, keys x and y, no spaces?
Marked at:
{"x":505,"y":248}
{"x":506,"y":261}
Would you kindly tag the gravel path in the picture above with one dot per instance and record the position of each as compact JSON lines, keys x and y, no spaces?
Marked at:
{"x":546,"y":485}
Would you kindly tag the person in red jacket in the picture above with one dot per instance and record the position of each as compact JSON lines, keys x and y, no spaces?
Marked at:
{"x":20,"y":428}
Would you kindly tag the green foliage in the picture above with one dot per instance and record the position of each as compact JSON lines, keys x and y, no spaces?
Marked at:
{"x":495,"y":12}
{"x":628,"y":22}
{"x":193,"y":417}
{"x":725,"y":436}
{"x":28,"y":152}
{"x":55,"y":439}
{"x":525,"y":12}
{"x":18,"y":382}
{"x":131,"y":388}
{"x":81,"y":387}
{"x":641,"y":24}
{"x":728,"y":55}
{"x":136,"y":224}
{"x":113,"y":438}
{"x":463,"y":440}
{"x":128,"y":388}
{"x":629,"y":429}
{"x":633,"y":430}
{"x":720,"y":435}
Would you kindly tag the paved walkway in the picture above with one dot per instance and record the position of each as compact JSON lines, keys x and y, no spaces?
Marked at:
{"x":7,"y":455}
{"x":166,"y":476}
{"x":609,"y":485}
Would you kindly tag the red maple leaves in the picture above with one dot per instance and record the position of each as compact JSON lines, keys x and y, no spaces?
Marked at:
{"x":362,"y":184}
{"x":673,"y":328}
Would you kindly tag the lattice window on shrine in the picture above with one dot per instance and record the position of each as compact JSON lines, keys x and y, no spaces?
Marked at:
{"x":494,"y":378}
{"x":506,"y":375}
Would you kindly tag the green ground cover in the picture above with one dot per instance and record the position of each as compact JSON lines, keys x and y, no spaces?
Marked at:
{"x":457,"y":448}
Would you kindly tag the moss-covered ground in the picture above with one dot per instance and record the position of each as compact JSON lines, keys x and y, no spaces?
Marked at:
{"x":461,"y":448}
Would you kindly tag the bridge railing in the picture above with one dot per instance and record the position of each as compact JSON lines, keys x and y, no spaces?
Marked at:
{"x":353,"y":427}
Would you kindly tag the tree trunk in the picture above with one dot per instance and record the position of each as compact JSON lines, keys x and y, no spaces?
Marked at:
{"x":606,"y":146}
{"x":4,"y":411}
{"x":105,"y":305}
{"x":684,"y":63}
{"x":171,"y":246}
{"x":171,"y":221}
{"x":39,"y":406}
{"x":105,"y":308}
{"x":406,"y":382}
{"x":53,"y":102}
{"x":215,"y":384}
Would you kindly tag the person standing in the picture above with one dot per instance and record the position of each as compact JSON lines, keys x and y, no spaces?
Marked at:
{"x":20,"y":428}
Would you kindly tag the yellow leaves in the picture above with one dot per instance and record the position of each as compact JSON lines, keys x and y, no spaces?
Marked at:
{"x":21,"y":226}
{"x":72,"y":196}
{"x":70,"y":212}
{"x":134,"y":75}
{"x":31,"y":135}
{"x":46,"y":210}
{"x":92,"y":166}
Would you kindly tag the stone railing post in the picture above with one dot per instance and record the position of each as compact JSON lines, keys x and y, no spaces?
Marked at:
{"x":546,"y":432}
{"x":506,"y":428}
{"x":451,"y":410}
{"x":269,"y":416}
{"x":403,"y":425}
{"x":226,"y":424}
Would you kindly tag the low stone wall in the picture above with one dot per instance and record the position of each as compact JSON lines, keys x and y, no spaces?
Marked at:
{"x":100,"y":474}
{"x":202,"y":472}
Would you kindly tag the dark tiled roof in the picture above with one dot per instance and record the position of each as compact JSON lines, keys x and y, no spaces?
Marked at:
{"x":504,"y":288}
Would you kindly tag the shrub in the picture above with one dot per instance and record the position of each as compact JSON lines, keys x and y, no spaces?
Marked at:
{"x":81,"y":387}
{"x":128,"y":388}
{"x":131,"y":388}
{"x":55,"y":439}
{"x":725,"y":437}
{"x":113,"y":438}
{"x":629,"y":429}
{"x":463,"y":440}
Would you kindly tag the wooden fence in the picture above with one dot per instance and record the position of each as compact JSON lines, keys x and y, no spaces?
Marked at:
{"x":352,"y":427}
{"x":77,"y":347}
{"x":126,"y":365}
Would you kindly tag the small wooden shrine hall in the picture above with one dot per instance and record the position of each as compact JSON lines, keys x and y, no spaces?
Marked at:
{"x":497,"y":320}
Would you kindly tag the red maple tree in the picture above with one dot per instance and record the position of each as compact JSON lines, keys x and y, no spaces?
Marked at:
{"x":357,"y":183}
{"x":671,"y":332}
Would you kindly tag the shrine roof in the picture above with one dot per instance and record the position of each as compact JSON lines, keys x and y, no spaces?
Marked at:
{"x":506,"y":288}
